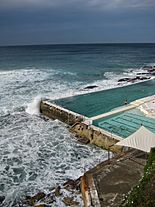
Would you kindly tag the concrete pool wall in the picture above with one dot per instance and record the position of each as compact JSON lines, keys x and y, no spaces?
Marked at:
{"x":83,"y":125}
{"x":57,"y":112}
{"x":95,"y":135}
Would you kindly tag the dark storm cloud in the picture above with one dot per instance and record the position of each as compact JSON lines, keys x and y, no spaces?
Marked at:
{"x":100,"y":4}
{"x":74,"y":21}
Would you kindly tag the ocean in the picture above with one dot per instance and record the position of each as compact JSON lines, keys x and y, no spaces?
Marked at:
{"x":38,"y":154}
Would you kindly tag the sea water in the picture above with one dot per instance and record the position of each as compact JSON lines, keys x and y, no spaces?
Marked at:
{"x":36,"y":153}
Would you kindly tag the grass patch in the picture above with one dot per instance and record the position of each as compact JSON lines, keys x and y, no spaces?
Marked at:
{"x":143,"y":195}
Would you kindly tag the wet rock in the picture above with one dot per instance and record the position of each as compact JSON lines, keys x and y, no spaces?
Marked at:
{"x":49,"y":199}
{"x":141,"y":78}
{"x":69,"y":182}
{"x":72,"y":184}
{"x":2,"y":198}
{"x":70,"y":201}
{"x":124,"y":79}
{"x":91,"y":87}
{"x":7,"y":167}
{"x":151,"y":70}
{"x":41,"y":205}
{"x":57,"y":191}
{"x":134,"y":79}
{"x":83,"y":140}
{"x":39,"y":196}
{"x":32,"y":200}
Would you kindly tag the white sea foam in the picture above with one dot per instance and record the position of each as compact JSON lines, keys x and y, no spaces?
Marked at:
{"x":36,"y":154}
{"x":40,"y":154}
{"x":112,"y":78}
{"x":20,"y":87}
{"x":33,"y":108}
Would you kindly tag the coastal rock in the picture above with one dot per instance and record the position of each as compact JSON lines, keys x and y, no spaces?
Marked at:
{"x":91,"y":87}
{"x":49,"y":199}
{"x":57,"y":191}
{"x":145,"y":78}
{"x":133,"y":79}
{"x":151,"y":70}
{"x":32,"y":200}
{"x":139,"y":78}
{"x":72,"y":184}
{"x":70,"y":201}
{"x":83,"y":140}
{"x":124,"y":79}
{"x":39,"y":196}
{"x":2,"y":198}
{"x":41,"y":205}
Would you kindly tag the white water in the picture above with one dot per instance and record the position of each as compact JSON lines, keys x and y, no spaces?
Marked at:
{"x":33,"y":108}
{"x":36,"y":154}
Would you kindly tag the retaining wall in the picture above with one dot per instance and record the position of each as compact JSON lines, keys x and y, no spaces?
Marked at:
{"x":56,"y":112}
{"x":94,"y":134}
{"x":97,"y":136}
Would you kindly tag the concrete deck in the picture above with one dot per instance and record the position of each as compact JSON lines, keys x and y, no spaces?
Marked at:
{"x":132,"y":105}
{"x":109,"y":182}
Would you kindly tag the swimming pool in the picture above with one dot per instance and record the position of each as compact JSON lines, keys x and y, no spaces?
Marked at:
{"x":96,"y":103}
{"x":126,"y":123}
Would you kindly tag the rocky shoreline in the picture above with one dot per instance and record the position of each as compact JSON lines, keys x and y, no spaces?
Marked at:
{"x":150,"y":72}
{"x":69,"y":194}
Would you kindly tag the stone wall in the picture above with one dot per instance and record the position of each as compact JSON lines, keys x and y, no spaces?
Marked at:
{"x":56,"y":112}
{"x":97,"y":137}
{"x":93,"y":134}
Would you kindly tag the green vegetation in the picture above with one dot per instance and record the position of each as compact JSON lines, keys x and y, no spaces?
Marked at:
{"x":143,"y":195}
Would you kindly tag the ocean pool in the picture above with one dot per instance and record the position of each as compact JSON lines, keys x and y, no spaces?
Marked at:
{"x":125,"y":123}
{"x":96,"y":103}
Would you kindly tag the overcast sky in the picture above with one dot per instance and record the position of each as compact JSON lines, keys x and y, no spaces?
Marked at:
{"x":76,"y":21}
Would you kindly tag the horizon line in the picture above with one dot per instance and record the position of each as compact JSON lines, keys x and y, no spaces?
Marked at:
{"x":93,"y":43}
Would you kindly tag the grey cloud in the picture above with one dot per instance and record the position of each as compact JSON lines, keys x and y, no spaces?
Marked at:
{"x":89,"y":4}
{"x":118,"y":4}
{"x":74,"y":21}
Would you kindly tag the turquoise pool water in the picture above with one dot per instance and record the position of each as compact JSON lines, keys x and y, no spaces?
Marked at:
{"x":124,"y":124}
{"x":96,"y":103}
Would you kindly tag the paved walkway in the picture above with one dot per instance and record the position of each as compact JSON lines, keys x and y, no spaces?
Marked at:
{"x":108,"y":183}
